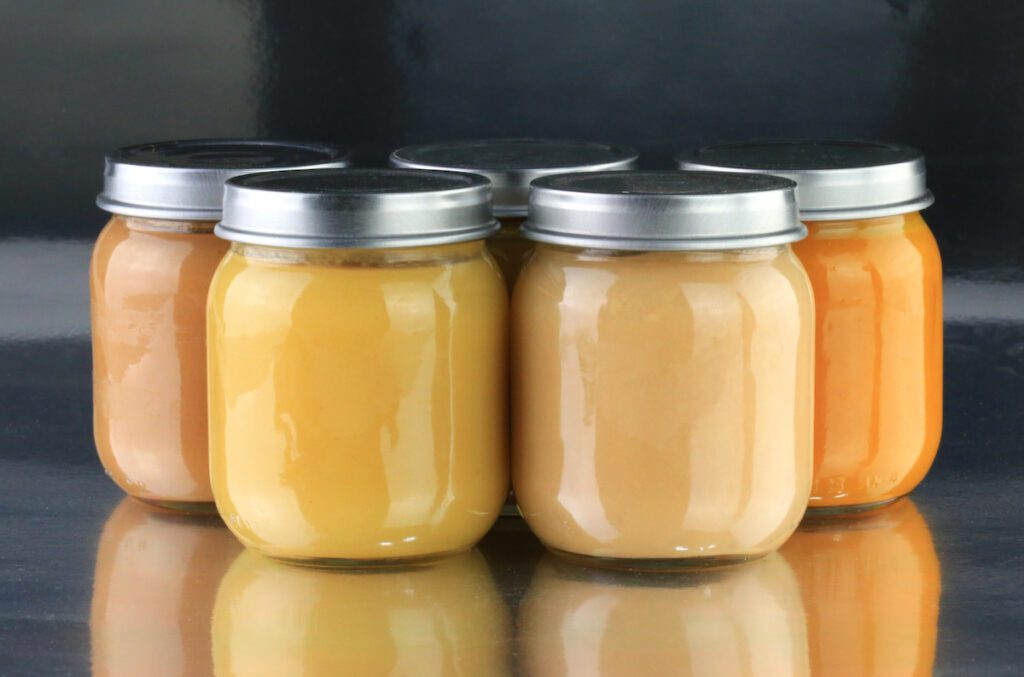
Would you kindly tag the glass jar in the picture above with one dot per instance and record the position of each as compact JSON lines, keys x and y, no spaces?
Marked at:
{"x":662,"y":342}
{"x":357,"y":366}
{"x":150,"y":271}
{"x":510,"y":165}
{"x":446,"y":619}
{"x":877,"y":278}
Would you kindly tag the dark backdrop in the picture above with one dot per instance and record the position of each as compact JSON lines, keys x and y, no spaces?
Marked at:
{"x":79,"y":78}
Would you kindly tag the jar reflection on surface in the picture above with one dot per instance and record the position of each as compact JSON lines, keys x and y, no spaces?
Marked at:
{"x":510,"y":249}
{"x":878,"y":396}
{"x":155,"y":583}
{"x":662,"y":401}
{"x":149,"y":279}
{"x":358,"y":400}
{"x":746,"y":620}
{"x":871,"y":585}
{"x":275,"y":619}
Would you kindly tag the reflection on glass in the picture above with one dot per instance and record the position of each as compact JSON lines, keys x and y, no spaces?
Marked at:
{"x":747,"y":620}
{"x":277,"y":619}
{"x":156,"y":580}
{"x":871,"y":587}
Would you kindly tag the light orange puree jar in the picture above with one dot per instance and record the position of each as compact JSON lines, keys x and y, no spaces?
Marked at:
{"x":357,"y":366}
{"x":662,"y":339}
{"x":877,"y":278}
{"x":510,"y":165}
{"x":150,"y":272}
{"x":871,"y":585}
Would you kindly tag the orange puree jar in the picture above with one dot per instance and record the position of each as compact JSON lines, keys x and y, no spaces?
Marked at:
{"x":877,"y":280}
{"x":357,"y":366}
{"x":662,"y":338}
{"x":510,"y":165}
{"x":150,"y":271}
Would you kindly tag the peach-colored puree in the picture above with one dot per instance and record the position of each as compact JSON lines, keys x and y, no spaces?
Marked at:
{"x":149,"y":281}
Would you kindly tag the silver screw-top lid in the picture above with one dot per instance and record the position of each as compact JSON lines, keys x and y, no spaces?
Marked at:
{"x":837,"y":179}
{"x":511,"y":164}
{"x":669,"y":210}
{"x":184,"y":180}
{"x":356,"y":208}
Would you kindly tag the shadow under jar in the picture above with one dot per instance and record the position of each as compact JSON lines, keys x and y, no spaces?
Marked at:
{"x":662,"y":371}
{"x":877,"y":278}
{"x":357,"y":366}
{"x":150,"y":271}
{"x":510,"y":165}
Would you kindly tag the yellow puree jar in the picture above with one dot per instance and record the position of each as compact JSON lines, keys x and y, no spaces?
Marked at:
{"x":511,"y":164}
{"x":357,"y":366}
{"x":877,"y":278}
{"x":662,"y":371}
{"x":150,"y":272}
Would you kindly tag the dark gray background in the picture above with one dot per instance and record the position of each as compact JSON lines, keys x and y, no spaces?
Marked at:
{"x":79,"y":78}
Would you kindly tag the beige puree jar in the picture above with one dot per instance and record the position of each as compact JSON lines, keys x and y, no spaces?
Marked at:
{"x":662,"y":368}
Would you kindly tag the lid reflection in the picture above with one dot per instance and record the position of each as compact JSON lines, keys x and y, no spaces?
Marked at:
{"x":277,"y":619}
{"x":155,"y":583}
{"x":871,"y":587}
{"x":747,"y":620}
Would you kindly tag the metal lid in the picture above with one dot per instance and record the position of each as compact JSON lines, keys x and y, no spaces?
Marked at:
{"x":651,"y":211}
{"x":511,"y":164}
{"x":356,"y":208}
{"x":185,"y":179}
{"x":837,"y":179}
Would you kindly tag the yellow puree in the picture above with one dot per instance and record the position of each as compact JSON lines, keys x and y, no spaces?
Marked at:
{"x":358,"y":400}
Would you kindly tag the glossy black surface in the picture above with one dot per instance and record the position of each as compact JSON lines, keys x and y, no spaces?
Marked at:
{"x":82,"y":78}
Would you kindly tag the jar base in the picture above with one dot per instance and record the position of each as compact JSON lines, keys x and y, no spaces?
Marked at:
{"x":205,"y":508}
{"x":854,"y":508}
{"x":380,"y":564}
{"x":664,"y":565}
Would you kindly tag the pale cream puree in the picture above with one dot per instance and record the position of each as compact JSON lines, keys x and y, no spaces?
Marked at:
{"x":662,"y":401}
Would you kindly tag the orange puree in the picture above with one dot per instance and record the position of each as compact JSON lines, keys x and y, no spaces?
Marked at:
{"x":149,"y":280}
{"x":871,"y":586}
{"x":274,"y":619}
{"x":878,"y":394}
{"x":156,"y":580}
{"x":358,"y":400}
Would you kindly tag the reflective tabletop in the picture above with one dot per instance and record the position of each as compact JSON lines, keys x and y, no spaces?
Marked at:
{"x":94,"y":583}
